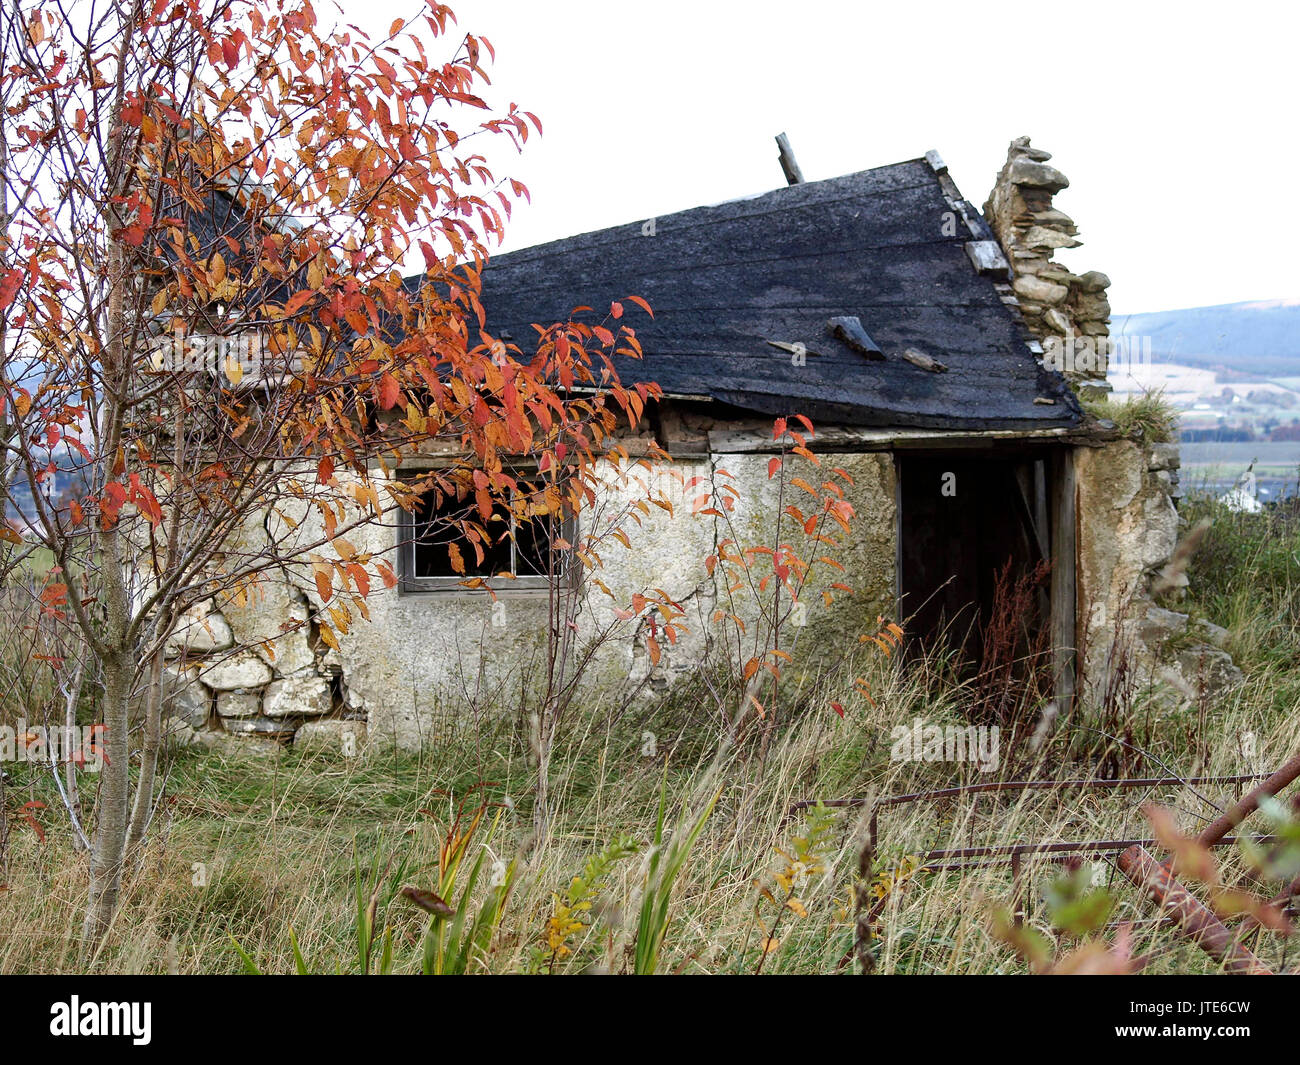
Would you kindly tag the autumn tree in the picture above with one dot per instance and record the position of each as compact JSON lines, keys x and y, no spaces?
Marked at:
{"x":208,"y":206}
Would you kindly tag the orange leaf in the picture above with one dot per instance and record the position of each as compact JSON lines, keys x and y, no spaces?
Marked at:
{"x":389,"y":392}
{"x":641,"y":303}
{"x":359,"y":577}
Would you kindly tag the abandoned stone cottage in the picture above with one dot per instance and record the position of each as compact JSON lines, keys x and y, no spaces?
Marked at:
{"x":919,"y":334}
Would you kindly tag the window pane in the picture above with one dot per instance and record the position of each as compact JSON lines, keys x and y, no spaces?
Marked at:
{"x":532,"y":546}
{"x":434,"y":531}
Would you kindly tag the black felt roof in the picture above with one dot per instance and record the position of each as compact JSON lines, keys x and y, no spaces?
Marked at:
{"x":725,"y":280}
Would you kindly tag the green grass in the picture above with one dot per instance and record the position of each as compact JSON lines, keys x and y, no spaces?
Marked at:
{"x":1148,"y":417}
{"x":275,"y":840}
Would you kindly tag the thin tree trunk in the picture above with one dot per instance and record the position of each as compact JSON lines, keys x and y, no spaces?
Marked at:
{"x":112,"y":810}
{"x":149,"y":757}
{"x":72,"y":792}
{"x":118,"y":663}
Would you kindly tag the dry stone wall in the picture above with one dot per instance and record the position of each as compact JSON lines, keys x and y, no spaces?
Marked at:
{"x":1067,"y":312}
{"x":250,"y":667}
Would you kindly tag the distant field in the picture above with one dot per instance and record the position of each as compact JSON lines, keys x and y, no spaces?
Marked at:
{"x":1215,"y":466}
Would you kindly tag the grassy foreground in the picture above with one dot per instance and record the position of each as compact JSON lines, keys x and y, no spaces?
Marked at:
{"x":268,"y":852}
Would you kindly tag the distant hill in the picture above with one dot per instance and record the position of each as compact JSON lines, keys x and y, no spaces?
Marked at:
{"x":1252,"y":338}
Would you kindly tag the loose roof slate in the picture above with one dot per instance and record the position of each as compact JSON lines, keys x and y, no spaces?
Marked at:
{"x":724,"y":281}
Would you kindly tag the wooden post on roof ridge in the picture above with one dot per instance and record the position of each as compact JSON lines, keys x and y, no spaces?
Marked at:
{"x":793,"y":175}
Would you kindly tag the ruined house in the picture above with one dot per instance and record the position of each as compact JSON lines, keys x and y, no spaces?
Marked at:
{"x":933,"y":346}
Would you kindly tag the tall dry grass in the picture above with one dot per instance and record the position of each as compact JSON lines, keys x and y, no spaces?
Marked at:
{"x":250,"y":847}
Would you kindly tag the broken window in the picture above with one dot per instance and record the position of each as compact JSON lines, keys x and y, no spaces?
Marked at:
{"x":446,"y":542}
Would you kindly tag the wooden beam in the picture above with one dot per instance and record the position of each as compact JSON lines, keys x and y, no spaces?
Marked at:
{"x":733,"y":440}
{"x":793,"y":175}
{"x":1064,"y":490}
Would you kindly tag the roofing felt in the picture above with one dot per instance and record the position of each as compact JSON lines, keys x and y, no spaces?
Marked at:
{"x":888,"y":246}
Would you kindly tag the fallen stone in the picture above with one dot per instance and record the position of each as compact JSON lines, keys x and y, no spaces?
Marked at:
{"x":1208,"y":670}
{"x":1158,"y":626}
{"x":176,"y":733}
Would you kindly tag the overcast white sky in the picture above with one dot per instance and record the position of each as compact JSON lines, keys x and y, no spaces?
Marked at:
{"x":1177,"y":124}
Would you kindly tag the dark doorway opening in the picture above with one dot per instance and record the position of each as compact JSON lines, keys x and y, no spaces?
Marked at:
{"x":967,"y":521}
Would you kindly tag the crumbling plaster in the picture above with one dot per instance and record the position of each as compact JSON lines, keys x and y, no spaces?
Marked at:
{"x":424,"y":661}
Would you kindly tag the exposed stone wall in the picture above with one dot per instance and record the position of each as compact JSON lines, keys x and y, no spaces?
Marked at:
{"x":425,"y":663}
{"x":250,"y":667}
{"x":1128,"y":529}
{"x":1067,"y":312}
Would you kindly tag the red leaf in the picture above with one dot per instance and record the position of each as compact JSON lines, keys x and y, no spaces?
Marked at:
{"x":778,"y":429}
{"x":28,"y":807}
{"x":838,"y":709}
{"x":389,"y":391}
{"x":325,"y":470}
{"x":10,"y":280}
{"x":773,"y":464}
{"x":616,"y":309}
